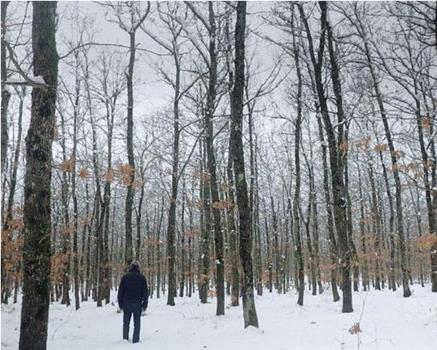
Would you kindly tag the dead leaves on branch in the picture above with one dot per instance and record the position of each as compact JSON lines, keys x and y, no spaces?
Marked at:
{"x":381,"y":147}
{"x":355,"y":329}
{"x":84,"y":173}
{"x":122,"y":173}
{"x":426,"y":122}
{"x":68,"y":165}
{"x":222,"y":204}
{"x":426,"y":242}
{"x":126,"y":174}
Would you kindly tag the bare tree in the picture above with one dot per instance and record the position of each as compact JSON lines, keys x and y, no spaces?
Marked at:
{"x":136,"y":16}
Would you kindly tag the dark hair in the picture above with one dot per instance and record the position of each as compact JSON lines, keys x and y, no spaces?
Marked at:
{"x":134,"y":265}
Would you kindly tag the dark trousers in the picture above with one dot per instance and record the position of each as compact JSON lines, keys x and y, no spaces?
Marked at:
{"x":128,"y":310}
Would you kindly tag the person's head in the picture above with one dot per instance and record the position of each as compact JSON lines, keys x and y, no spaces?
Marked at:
{"x":134,"y":266}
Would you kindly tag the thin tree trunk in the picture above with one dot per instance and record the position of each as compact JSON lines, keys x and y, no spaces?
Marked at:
{"x":6,"y":95}
{"x":392,"y":282}
{"x":234,"y":261}
{"x":205,"y":229}
{"x":211,"y":162}
{"x":377,"y":227}
{"x":365,"y":269}
{"x":73,"y":192}
{"x":66,"y":234}
{"x":6,"y":233}
{"x":183,"y":248}
{"x":296,"y":204}
{"x":128,"y":255}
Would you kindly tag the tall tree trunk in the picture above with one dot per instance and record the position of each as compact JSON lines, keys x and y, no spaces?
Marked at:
{"x":376,"y":220}
{"x":6,"y":95}
{"x":73,"y":191}
{"x":128,"y":254}
{"x":323,"y":107}
{"x":183,"y":248}
{"x":249,"y":310}
{"x":66,"y":232}
{"x":211,"y":100}
{"x":276,"y":247}
{"x":258,"y":248}
{"x":315,"y":223}
{"x":104,"y":268}
{"x":336,"y":155}
{"x":205,"y":228}
{"x":171,"y":229}
{"x":269,"y":254}
{"x":234,"y":260}
{"x":37,"y":182}
{"x":365,"y":268}
{"x":353,"y":250}
{"x":296,"y":203}
{"x":139,"y":222}
{"x":85,"y":245}
{"x":232,"y":229}
{"x":392,"y":282}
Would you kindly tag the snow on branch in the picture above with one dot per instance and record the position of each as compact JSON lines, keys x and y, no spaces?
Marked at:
{"x":34,"y":81}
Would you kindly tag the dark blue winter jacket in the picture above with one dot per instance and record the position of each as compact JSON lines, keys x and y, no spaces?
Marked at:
{"x":133,"y":289}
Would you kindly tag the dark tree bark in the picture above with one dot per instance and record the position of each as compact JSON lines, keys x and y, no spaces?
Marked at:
{"x":133,"y":26}
{"x":171,"y":229}
{"x":5,"y":93}
{"x":211,"y":162}
{"x":73,"y":191}
{"x":315,"y":221}
{"x":183,"y":247}
{"x":353,"y":250}
{"x":257,"y":228}
{"x":335,"y":145}
{"x":139,"y":219}
{"x":337,"y":162}
{"x":205,"y":229}
{"x":110,"y":97}
{"x":234,"y":261}
{"x":269,"y":254}
{"x":391,"y":276}
{"x":376,"y":226}
{"x":128,"y":253}
{"x":296,"y":205}
{"x":232,"y":229}
{"x":84,"y":261}
{"x":323,"y":108}
{"x":37,"y":183}
{"x":249,"y":310}
{"x":365,"y":268}
{"x":276,"y":247}
{"x":66,"y":235}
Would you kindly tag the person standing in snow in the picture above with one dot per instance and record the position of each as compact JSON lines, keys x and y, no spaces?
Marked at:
{"x":133,"y":296}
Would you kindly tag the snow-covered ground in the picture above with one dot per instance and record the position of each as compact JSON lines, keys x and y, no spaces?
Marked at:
{"x":388,"y":321}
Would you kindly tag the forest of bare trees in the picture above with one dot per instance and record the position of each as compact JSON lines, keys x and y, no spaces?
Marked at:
{"x":231,"y":151}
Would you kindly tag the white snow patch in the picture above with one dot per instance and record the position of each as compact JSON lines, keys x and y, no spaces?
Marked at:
{"x":388,"y":322}
{"x":38,"y":79}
